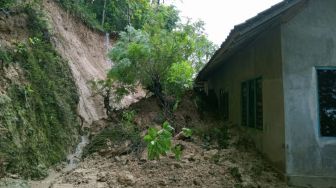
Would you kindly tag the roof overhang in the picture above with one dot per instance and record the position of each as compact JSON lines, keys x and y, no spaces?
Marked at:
{"x":248,"y":31}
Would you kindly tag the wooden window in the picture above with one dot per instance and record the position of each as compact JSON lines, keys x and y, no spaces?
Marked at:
{"x":244,"y":93}
{"x":327,"y":101}
{"x":251,"y":98}
{"x":224,"y":104}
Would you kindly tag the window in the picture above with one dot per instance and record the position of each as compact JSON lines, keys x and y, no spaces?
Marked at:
{"x":251,"y":98}
{"x":224,"y":104}
{"x":326,"y":79}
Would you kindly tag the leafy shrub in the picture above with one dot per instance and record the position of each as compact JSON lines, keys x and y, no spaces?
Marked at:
{"x":179,"y":78}
{"x":5,"y":58}
{"x":159,"y":141}
{"x":115,"y":134}
{"x":118,"y":133}
{"x":187,"y":132}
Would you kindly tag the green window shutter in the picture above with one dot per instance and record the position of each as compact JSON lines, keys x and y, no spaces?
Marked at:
{"x":259,"y":104}
{"x":251,"y":104}
{"x":244,"y":103}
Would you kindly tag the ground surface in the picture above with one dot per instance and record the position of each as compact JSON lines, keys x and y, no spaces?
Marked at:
{"x":203,"y":164}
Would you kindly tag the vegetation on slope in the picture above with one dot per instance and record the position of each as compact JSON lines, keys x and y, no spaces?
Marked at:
{"x":38,"y":115}
{"x":111,"y":16}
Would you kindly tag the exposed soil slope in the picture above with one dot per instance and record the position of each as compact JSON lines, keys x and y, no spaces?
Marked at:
{"x":86,"y":52}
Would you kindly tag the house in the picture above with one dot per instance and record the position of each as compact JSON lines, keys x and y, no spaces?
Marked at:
{"x":275,"y":76}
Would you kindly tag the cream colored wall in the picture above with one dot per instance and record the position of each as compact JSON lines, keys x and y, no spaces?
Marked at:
{"x":262,"y":57}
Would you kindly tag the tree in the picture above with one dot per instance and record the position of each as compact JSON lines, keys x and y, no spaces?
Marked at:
{"x":162,"y":56}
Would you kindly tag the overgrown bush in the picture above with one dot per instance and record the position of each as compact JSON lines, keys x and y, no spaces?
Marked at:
{"x":159,"y":142}
{"x":126,"y":130}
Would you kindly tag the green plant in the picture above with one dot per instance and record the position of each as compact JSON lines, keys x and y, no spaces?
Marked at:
{"x":187,"y":132}
{"x":160,"y":59}
{"x":177,"y":150}
{"x":159,"y":141}
{"x":5,"y":58}
{"x":128,"y":116}
{"x":116,"y":134}
{"x":39,"y":114}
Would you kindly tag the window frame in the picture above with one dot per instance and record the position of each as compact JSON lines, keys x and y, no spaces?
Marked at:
{"x":319,"y":127}
{"x":246,"y":110}
{"x":224,"y":105}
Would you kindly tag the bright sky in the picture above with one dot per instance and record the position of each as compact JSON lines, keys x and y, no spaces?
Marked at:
{"x":220,"y":16}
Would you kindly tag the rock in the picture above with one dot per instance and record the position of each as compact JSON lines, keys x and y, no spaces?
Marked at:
{"x":64,"y":185}
{"x":102,"y":176}
{"x":144,"y":155}
{"x":209,"y":154}
{"x":197,"y":182}
{"x":189,"y":157}
{"x":126,"y":178}
{"x":180,"y":136}
{"x":163,"y":183}
{"x":116,"y":150}
{"x":177,"y":165}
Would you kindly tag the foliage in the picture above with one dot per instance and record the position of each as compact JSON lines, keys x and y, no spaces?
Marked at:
{"x":179,"y":78}
{"x":82,"y":10}
{"x":160,"y":59}
{"x":177,"y":150}
{"x":116,"y":134}
{"x":187,"y":132}
{"x":159,"y":141}
{"x":39,"y":114}
{"x":128,"y":116}
{"x":114,"y":16}
{"x":5,"y":58}
{"x":6,"y":3}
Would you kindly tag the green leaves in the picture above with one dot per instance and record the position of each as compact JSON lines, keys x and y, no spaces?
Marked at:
{"x":159,"y":141}
{"x":179,"y":78}
{"x":187,"y":132}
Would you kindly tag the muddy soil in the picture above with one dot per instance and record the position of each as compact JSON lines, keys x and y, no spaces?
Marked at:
{"x":203,"y":163}
{"x":198,"y":167}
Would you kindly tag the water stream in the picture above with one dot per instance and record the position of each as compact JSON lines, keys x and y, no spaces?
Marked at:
{"x":74,"y":158}
{"x":107,"y":46}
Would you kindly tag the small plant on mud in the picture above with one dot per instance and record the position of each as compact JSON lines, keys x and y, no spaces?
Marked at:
{"x":159,"y":142}
{"x":128,"y":116}
{"x":187,"y":132}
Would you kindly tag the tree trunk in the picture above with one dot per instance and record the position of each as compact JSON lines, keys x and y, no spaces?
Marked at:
{"x":104,"y":12}
{"x":156,"y":88}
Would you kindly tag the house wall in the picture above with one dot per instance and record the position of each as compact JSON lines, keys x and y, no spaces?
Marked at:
{"x":262,"y":57}
{"x":309,"y":40}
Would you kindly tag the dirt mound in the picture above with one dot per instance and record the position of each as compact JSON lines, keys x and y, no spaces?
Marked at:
{"x":86,"y":52}
{"x":198,"y":168}
{"x":202,"y":164}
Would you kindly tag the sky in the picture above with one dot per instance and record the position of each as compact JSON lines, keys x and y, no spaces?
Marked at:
{"x":220,"y":16}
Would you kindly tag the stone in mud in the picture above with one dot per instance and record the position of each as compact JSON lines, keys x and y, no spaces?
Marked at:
{"x":102,"y":176}
{"x":209,"y":154}
{"x":126,"y":178}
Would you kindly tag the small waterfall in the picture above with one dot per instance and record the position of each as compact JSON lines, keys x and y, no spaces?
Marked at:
{"x":74,"y":158}
{"x":107,"y":47}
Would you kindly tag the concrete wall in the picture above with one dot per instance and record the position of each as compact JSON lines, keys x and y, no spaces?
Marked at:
{"x":262,"y":57}
{"x":309,"y":40}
